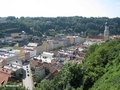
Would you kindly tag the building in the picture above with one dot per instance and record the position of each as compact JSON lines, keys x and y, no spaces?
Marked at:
{"x":64,"y":55}
{"x":106,"y":32}
{"x":34,"y":63}
{"x":3,"y":62}
{"x":40,"y":71}
{"x":47,"y":57}
{"x":5,"y":76}
{"x":8,"y":38}
{"x":21,"y":55}
{"x":98,"y":39}
{"x":31,"y":47}
{"x":8,"y":56}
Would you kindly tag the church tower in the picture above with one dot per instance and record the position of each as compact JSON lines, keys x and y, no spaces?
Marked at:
{"x":106,"y":31}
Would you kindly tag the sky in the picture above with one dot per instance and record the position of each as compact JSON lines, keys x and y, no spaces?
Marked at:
{"x":60,"y":8}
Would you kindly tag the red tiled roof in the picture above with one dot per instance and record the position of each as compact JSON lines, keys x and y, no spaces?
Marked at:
{"x":54,"y":67}
{"x":35,"y":63}
{"x":63,"y":55}
{"x":40,"y":67}
{"x":55,"y":72}
{"x":6,"y":71}
{"x":79,"y":58}
{"x":52,"y":74}
{"x":53,"y":61}
{"x":46,"y":64}
{"x":81,"y":54}
{"x":96,"y":37}
{"x":4,"y":78}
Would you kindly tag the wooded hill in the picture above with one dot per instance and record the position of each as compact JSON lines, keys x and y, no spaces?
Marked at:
{"x":52,"y":26}
{"x":99,"y":71}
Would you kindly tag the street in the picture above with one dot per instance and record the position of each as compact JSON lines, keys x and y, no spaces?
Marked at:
{"x":27,"y":77}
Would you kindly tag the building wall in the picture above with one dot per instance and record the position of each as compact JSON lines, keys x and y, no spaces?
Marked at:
{"x":77,"y":39}
{"x":61,"y":43}
{"x":56,"y":45}
{"x":72,"y":40}
{"x":40,"y":49}
{"x":46,"y":45}
{"x":32,"y":53}
{"x":18,"y":39}
{"x":65,"y":42}
{"x":8,"y":38}
{"x":82,"y":40}
{"x":40,"y":72}
{"x":18,"y":48}
{"x":21,"y":55}
{"x":4,"y":62}
{"x":68,"y":41}
{"x":27,"y":55}
{"x":51,"y":46}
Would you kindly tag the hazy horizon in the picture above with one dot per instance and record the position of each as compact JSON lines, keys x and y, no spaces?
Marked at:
{"x":60,"y":8}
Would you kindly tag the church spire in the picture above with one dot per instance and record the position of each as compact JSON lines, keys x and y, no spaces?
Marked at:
{"x":106,"y":23}
{"x":106,"y":31}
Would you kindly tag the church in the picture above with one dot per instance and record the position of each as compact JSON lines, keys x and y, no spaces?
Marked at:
{"x":106,"y":32}
{"x":101,"y":37}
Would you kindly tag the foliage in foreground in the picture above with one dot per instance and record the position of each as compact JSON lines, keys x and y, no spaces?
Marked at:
{"x":99,"y":71}
{"x":12,"y":86}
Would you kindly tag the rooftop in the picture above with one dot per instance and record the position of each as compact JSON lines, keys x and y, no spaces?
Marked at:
{"x":96,"y":37}
{"x":4,"y":78}
{"x":35,"y":63}
{"x":13,"y":67}
{"x":6,"y":71}
{"x":32,"y":44}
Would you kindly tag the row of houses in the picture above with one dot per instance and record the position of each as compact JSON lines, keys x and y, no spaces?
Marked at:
{"x":33,"y":49}
{"x":53,"y":61}
{"x":9,"y":62}
{"x":48,"y":64}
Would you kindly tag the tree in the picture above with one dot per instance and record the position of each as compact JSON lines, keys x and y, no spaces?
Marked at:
{"x":37,"y":79}
{"x":100,"y":71}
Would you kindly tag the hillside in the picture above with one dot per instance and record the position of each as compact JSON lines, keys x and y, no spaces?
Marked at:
{"x":52,"y":26}
{"x":99,"y":71}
